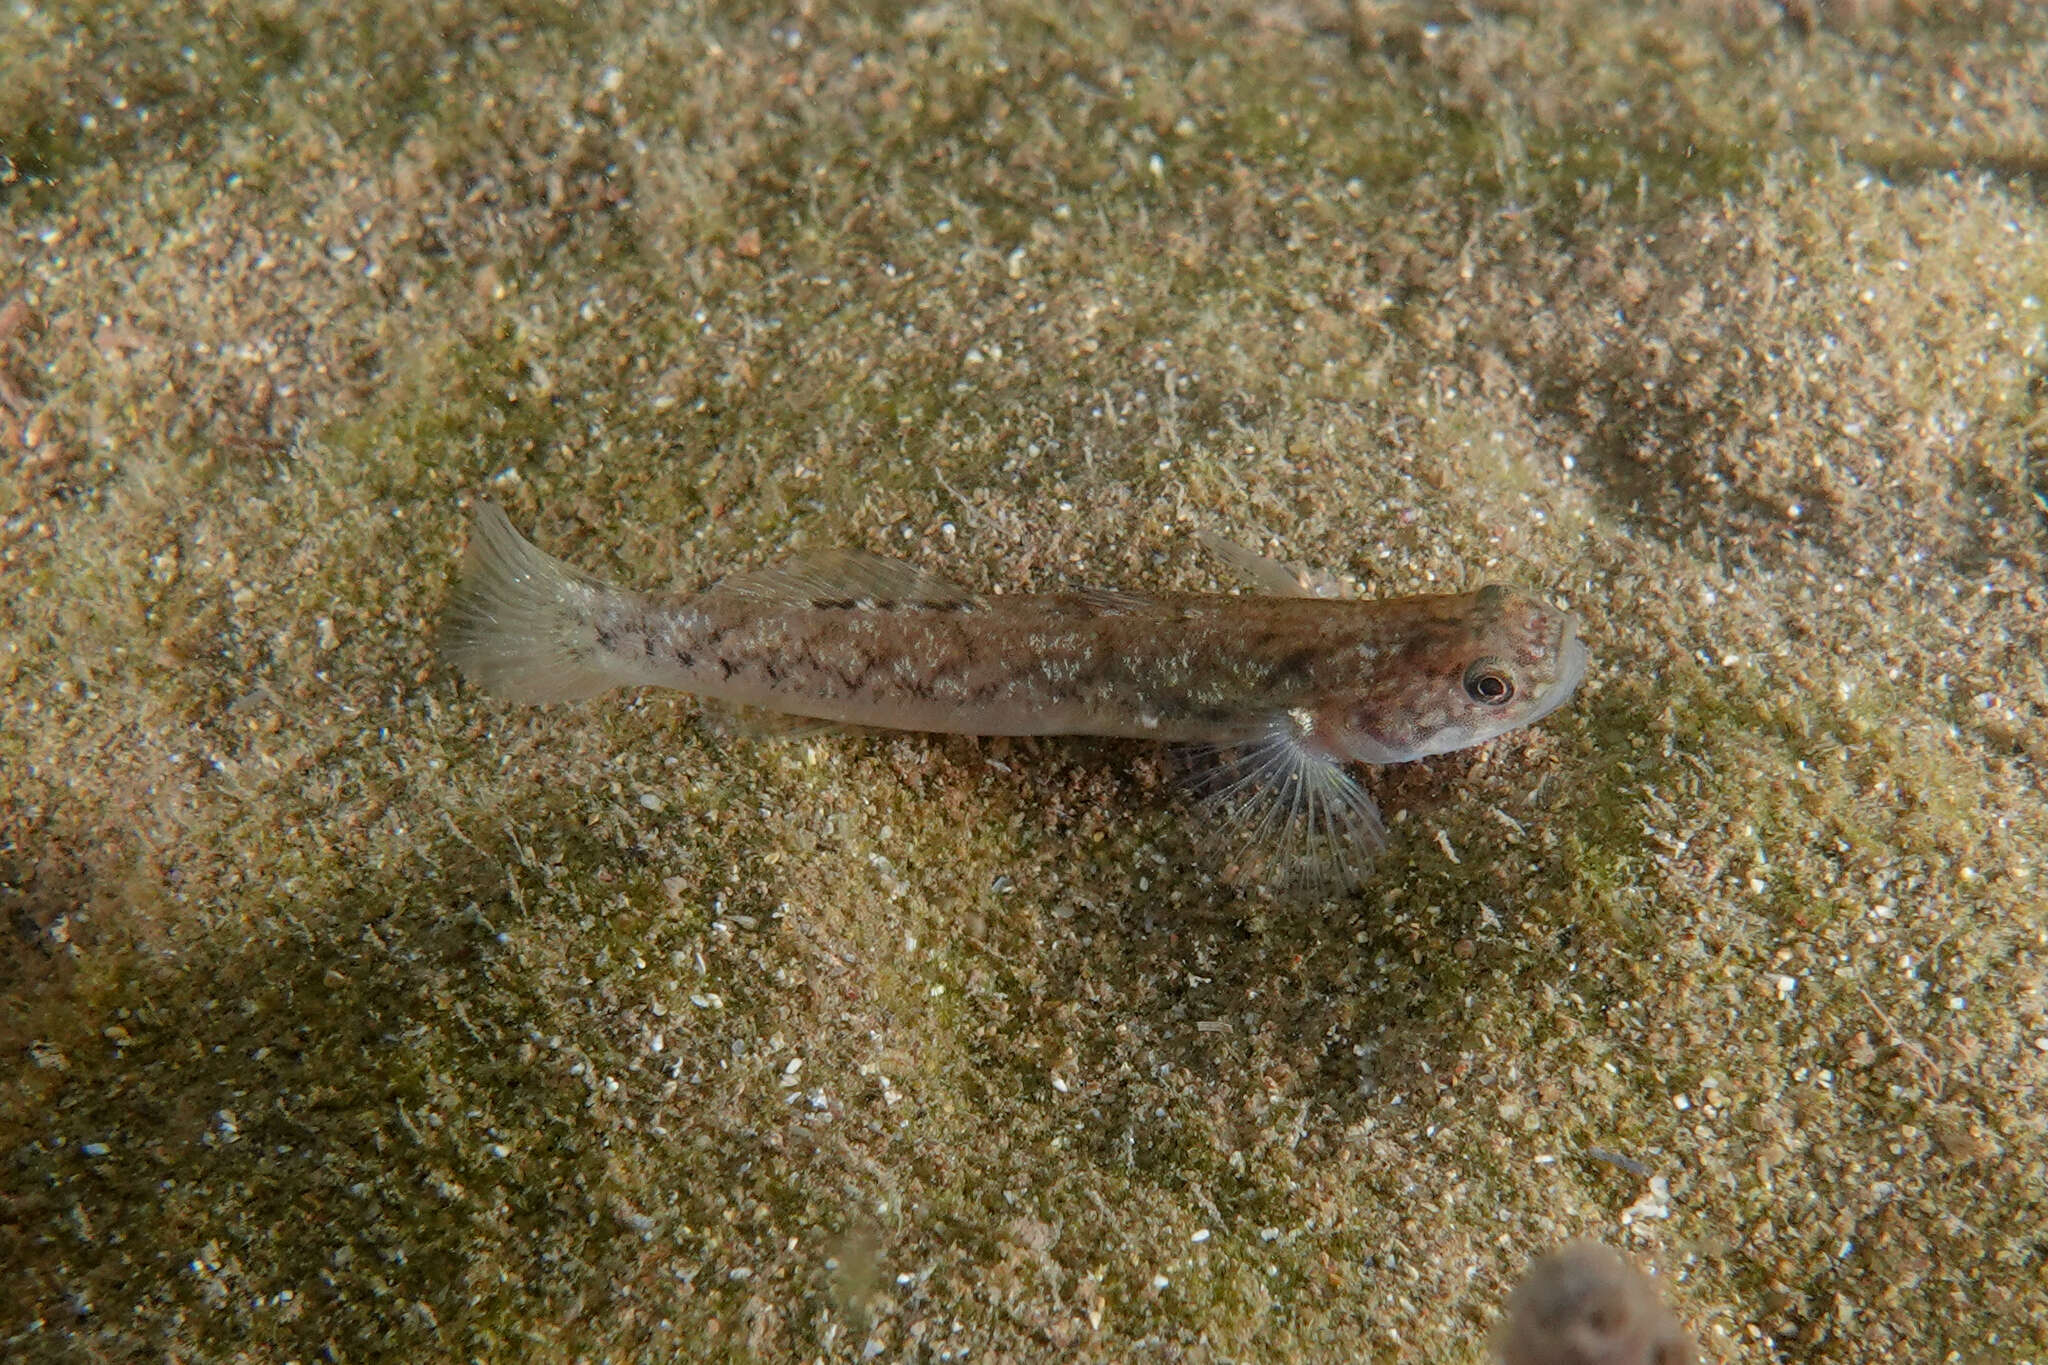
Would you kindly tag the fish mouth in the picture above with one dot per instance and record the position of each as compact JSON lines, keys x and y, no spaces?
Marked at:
{"x":1571,"y":669}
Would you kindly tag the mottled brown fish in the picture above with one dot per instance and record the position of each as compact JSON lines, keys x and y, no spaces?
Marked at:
{"x":1585,"y":1305}
{"x":1290,"y":688}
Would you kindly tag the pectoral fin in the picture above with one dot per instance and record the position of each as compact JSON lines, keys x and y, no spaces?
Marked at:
{"x":1293,"y":810}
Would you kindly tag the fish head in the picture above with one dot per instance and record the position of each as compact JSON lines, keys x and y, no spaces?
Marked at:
{"x":1463,"y":670}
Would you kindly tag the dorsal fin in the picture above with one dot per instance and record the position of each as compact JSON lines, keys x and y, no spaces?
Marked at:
{"x":1114,"y":601}
{"x":1270,"y":576}
{"x":844,"y":578}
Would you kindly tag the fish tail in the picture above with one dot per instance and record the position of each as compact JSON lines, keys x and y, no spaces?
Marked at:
{"x":523,"y":625}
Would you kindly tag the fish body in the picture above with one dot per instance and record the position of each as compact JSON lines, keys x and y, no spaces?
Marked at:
{"x":1294,"y":686}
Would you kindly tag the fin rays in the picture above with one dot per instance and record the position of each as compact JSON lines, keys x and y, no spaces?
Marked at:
{"x":836,"y":576}
{"x":1293,"y":811}
{"x":1271,"y":576}
{"x":519,"y":623}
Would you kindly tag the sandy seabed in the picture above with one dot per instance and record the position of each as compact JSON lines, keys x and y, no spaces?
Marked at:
{"x":349,"y":1015}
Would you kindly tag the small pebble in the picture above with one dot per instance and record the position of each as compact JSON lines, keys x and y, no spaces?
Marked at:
{"x":1586,"y":1305}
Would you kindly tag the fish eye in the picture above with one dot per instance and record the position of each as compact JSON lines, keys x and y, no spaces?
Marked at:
{"x":1488,"y":683}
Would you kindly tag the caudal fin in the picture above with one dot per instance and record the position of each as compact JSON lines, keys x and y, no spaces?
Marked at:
{"x":522,"y":624}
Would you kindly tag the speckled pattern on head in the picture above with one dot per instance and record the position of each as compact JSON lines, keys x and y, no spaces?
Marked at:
{"x":1436,"y":698}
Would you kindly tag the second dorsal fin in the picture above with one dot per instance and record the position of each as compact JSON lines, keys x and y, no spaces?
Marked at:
{"x":844,"y":578}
